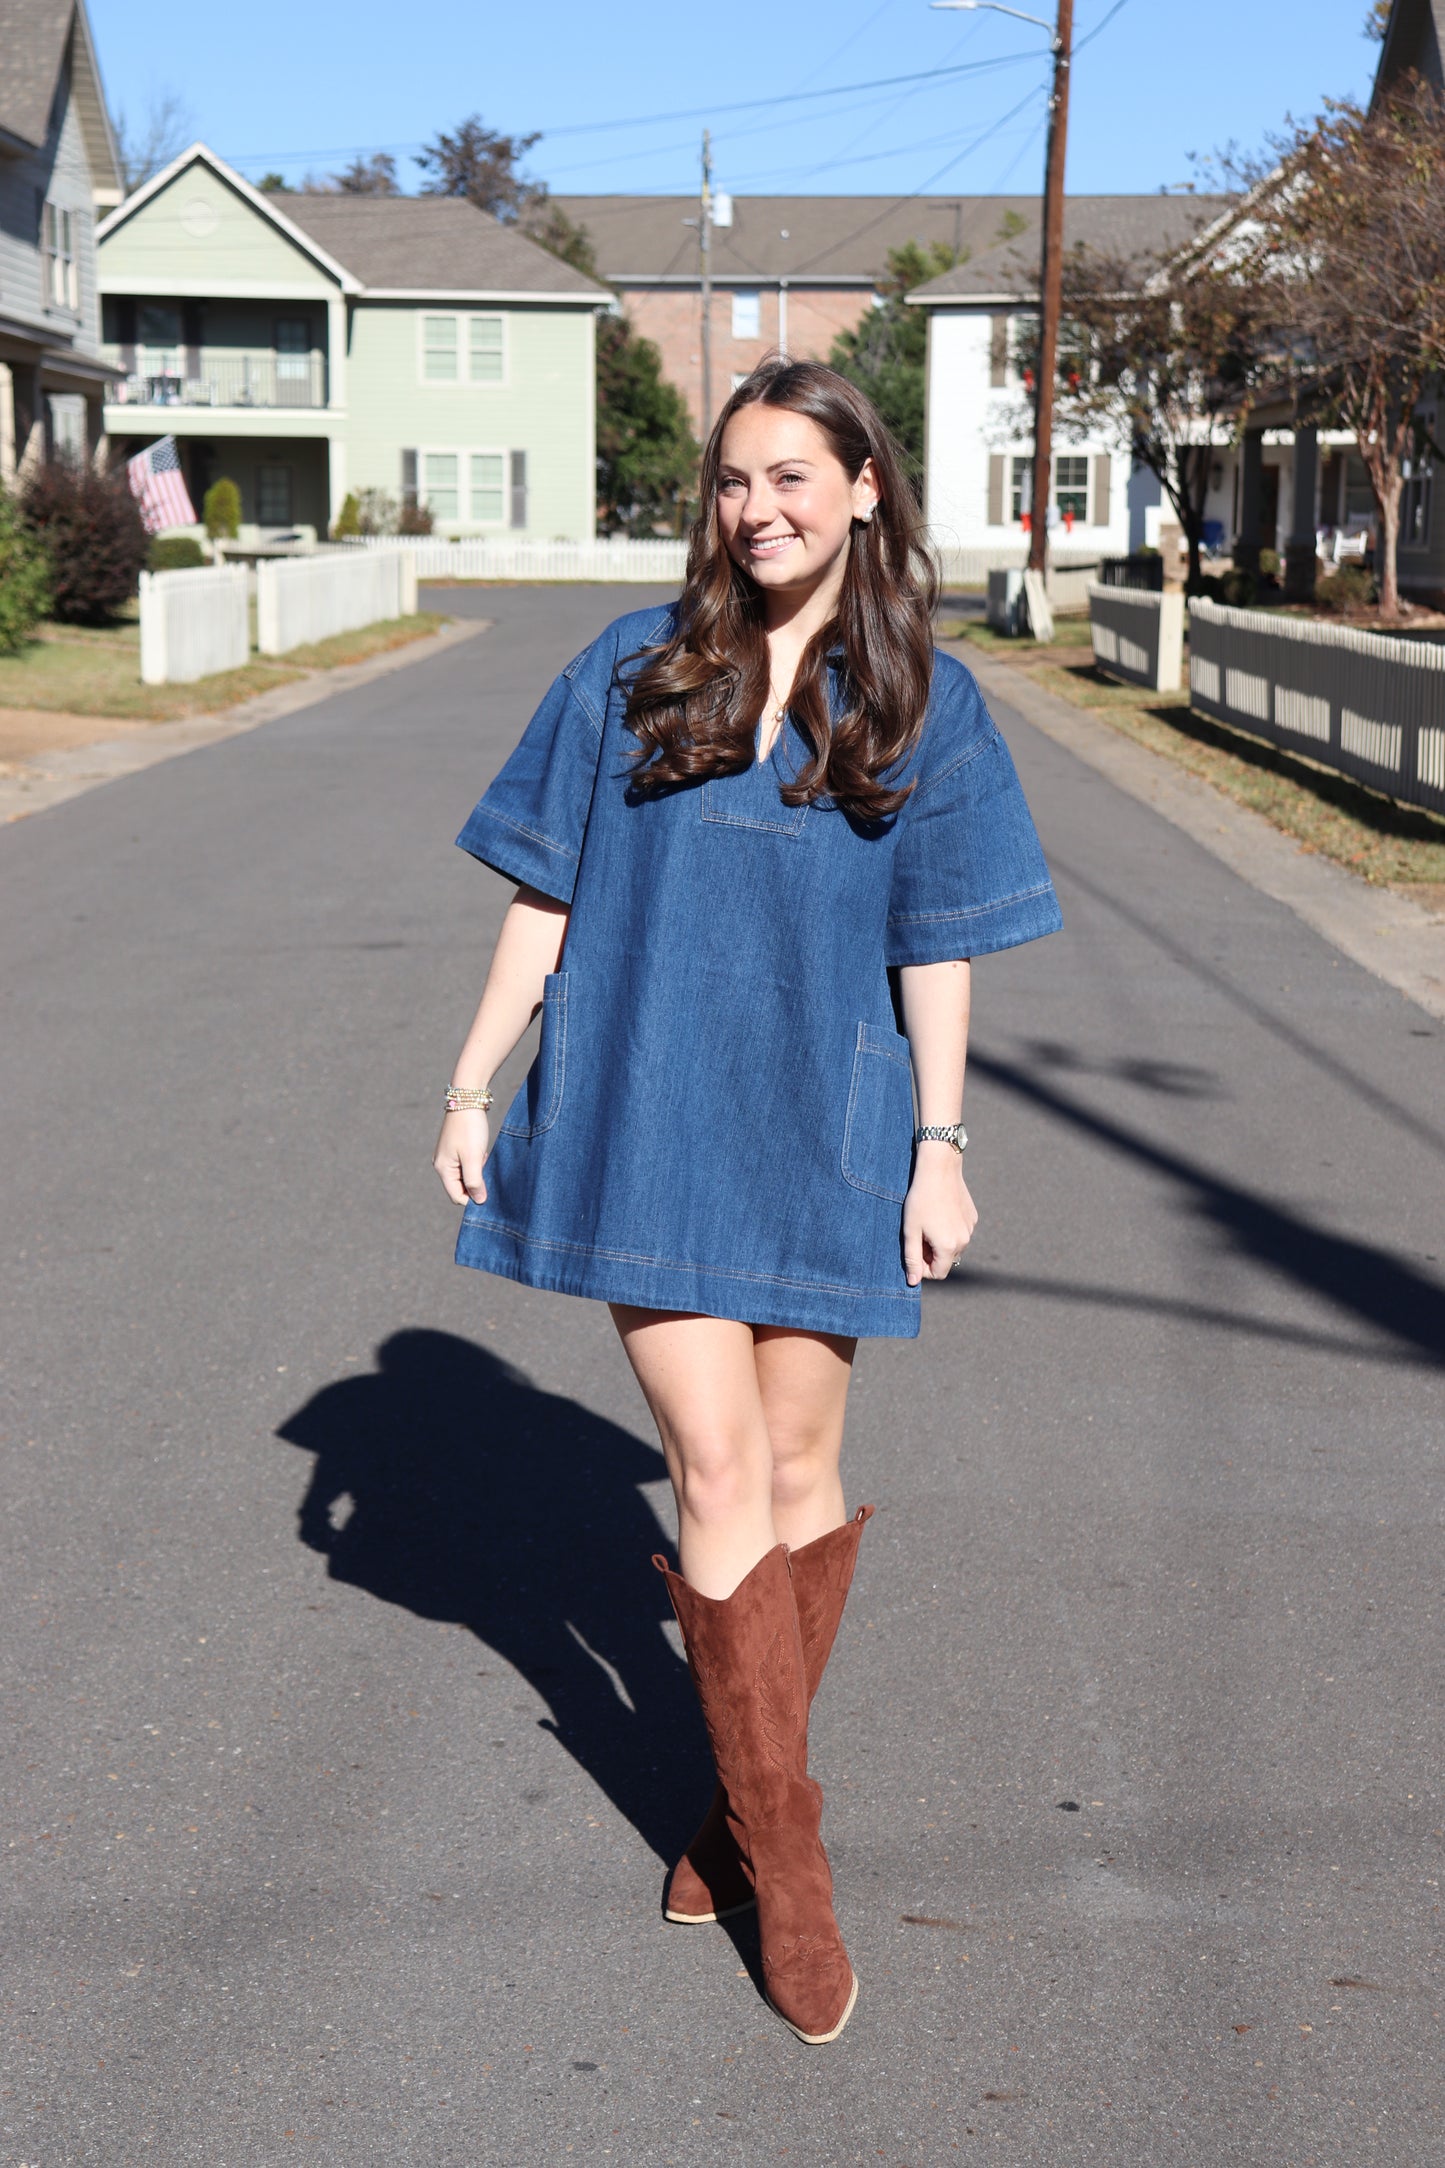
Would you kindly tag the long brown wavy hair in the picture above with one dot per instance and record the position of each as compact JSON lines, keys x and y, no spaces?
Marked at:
{"x":695,"y":703}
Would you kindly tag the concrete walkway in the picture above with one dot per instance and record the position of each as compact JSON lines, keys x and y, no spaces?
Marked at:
{"x":347,"y":1734}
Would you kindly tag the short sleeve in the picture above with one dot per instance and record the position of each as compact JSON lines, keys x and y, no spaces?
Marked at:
{"x":530,"y":822}
{"x":968,"y":873}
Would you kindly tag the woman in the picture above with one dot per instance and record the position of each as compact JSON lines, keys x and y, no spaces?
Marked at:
{"x":732,"y":820}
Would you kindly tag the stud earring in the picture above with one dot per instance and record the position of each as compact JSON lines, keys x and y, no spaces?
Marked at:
{"x":866,"y":515}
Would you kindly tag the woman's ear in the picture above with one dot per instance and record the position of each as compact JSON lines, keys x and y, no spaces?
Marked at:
{"x":866,"y":492}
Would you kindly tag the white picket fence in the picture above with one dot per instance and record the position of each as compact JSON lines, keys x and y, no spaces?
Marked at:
{"x":193,"y":623}
{"x":661,"y":562}
{"x":1371,"y":706}
{"x":1138,"y":636}
{"x":301,"y":599}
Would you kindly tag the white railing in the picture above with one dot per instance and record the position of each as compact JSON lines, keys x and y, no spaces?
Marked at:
{"x":239,"y":380}
{"x":1138,"y":636}
{"x":193,"y":623}
{"x":301,"y":599}
{"x":1371,"y":706}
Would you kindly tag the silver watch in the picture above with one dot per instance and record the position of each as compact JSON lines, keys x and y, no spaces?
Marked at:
{"x":957,"y":1137}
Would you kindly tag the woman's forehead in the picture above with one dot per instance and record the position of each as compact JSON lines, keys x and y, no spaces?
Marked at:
{"x":758,"y":436}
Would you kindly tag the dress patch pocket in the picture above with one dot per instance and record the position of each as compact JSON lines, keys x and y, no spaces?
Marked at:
{"x":539,"y":1102}
{"x":878,"y":1134}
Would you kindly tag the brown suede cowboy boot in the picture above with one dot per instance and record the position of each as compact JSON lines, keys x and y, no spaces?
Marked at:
{"x":710,"y":1881}
{"x":746,"y":1657}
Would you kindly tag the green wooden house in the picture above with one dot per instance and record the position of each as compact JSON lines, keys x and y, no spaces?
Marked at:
{"x":312,"y":345}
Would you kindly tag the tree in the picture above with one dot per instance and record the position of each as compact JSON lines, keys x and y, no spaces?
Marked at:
{"x":221,"y":509}
{"x":275,"y":184}
{"x":885,"y":355}
{"x":89,"y":524}
{"x":1161,"y":352}
{"x":24,"y":577}
{"x":144,"y":146}
{"x":481,"y":165}
{"x":647,"y":455}
{"x":1346,"y":242}
{"x":373,"y":176}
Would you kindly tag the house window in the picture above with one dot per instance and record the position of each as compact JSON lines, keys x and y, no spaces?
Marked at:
{"x":488,"y":487}
{"x":440,"y":483}
{"x":273,"y":496}
{"x":1022,"y":488}
{"x":60,"y":273}
{"x":67,"y":425}
{"x":158,"y":354}
{"x":1359,"y":497}
{"x":747,"y":315}
{"x":1415,"y":506}
{"x":293,"y":350}
{"x":485,"y":349}
{"x":439,"y":349}
{"x":1071,"y":484}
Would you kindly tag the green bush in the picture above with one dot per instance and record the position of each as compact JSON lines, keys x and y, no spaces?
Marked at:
{"x":1269,"y":564}
{"x":221,"y":509}
{"x":348,"y":519}
{"x":24,"y":578}
{"x":1238,"y":588}
{"x":175,"y":553}
{"x":93,"y":534}
{"x":1352,"y":587}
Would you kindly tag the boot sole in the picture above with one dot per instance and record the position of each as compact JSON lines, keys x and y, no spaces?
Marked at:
{"x":705,"y":1919}
{"x":820,"y":2040}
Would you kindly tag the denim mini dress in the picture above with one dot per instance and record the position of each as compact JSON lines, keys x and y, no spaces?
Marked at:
{"x":720,"y":1115}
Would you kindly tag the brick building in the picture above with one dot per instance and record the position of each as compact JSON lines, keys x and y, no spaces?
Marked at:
{"x":789,"y":272}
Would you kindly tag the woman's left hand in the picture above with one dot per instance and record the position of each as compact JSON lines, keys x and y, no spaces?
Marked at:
{"x":938,"y":1214}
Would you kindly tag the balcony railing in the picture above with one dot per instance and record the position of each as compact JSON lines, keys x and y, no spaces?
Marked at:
{"x":266,"y":380}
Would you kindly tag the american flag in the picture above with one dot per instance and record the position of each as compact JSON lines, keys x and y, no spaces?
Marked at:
{"x":156,"y":478}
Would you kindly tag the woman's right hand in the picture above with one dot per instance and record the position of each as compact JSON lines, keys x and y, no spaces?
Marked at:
{"x":461,"y":1154}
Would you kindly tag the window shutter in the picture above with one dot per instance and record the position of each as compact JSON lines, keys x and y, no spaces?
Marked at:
{"x":519,"y":489}
{"x":1102,"y":467}
{"x":995,"y":489}
{"x":408,"y":478}
{"x":997,"y":351}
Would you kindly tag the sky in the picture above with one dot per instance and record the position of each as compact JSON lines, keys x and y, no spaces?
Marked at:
{"x":621,"y":94}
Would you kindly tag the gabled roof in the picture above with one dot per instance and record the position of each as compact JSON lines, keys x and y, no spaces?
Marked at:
{"x":35,"y":38}
{"x":400,"y":246}
{"x":839,"y":240}
{"x":1414,"y":38}
{"x":1117,"y":225}
{"x":433,"y":244}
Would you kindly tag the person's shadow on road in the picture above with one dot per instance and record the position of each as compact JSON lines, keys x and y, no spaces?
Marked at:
{"x":448,"y":1484}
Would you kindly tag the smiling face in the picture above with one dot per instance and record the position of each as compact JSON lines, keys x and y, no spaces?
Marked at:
{"x":786,"y":504}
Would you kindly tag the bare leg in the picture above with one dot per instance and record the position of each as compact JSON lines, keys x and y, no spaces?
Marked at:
{"x":700,"y":1379}
{"x":803,"y":1382}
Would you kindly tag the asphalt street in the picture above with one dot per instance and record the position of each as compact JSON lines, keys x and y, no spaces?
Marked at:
{"x":346,"y":1733}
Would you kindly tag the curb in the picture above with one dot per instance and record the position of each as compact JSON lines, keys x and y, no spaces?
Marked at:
{"x":35,"y":787}
{"x":1388,"y":934}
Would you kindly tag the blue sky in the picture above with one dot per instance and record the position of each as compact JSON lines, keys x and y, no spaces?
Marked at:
{"x":299,"y":85}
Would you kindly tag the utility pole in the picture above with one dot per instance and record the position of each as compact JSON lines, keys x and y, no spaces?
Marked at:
{"x":704,"y":244}
{"x":1051,"y":289}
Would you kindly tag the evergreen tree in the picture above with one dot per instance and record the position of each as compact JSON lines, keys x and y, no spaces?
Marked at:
{"x":646,"y":453}
{"x":886,"y":354}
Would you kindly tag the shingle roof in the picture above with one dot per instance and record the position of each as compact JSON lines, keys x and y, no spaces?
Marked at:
{"x":430,"y":244}
{"x":32,"y":46}
{"x":825,"y":237}
{"x":1117,"y":225}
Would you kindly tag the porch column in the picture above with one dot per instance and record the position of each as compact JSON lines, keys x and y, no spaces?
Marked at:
{"x":1299,"y":550}
{"x":29,"y":418}
{"x":1247,"y":542}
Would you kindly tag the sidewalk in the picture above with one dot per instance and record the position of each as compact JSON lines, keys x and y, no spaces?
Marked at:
{"x":1391,"y":936}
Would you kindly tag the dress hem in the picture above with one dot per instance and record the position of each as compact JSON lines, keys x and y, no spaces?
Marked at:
{"x":751,"y":1300}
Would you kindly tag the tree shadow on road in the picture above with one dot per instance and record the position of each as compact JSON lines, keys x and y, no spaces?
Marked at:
{"x":448,"y":1484}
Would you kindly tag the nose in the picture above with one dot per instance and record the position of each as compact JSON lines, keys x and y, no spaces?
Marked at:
{"x":759,"y":506}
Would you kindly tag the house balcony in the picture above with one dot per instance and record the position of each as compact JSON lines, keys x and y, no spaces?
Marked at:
{"x":268,"y":382}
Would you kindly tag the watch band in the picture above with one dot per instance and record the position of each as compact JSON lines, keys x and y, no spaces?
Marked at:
{"x":933,"y":1134}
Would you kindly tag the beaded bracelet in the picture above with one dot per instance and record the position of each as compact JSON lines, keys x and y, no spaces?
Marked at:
{"x":461,"y":1097}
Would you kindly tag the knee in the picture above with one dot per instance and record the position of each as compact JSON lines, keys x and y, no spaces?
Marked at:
{"x":802,"y":1461}
{"x":722,"y":1473}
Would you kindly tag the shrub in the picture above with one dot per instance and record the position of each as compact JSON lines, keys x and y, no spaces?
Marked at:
{"x":1350,"y":588}
{"x":221,"y":509}
{"x":1269,"y":564}
{"x":1238,"y":588}
{"x":24,"y":578}
{"x":414,"y":519}
{"x":175,"y":553}
{"x":93,"y":534}
{"x":348,"y":519}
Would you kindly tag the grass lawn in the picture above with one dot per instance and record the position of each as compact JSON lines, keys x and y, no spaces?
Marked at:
{"x":86,"y":670}
{"x":1394,"y":846}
